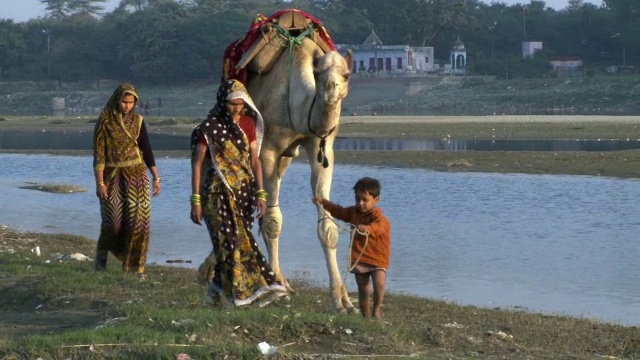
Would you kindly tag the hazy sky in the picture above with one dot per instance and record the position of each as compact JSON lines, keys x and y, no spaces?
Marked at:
{"x":23,"y":10}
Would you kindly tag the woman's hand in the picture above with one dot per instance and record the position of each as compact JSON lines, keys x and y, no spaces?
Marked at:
{"x":261,"y":208}
{"x":156,"y":187}
{"x":101,"y":191}
{"x":196,"y":214}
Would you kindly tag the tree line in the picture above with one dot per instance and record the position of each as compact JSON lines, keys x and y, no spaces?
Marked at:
{"x":179,"y":41}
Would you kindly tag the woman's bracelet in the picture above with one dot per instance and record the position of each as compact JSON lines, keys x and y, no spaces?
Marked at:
{"x":262,"y":195}
{"x":156,"y":179}
{"x":100,"y":183}
{"x":195,"y":199}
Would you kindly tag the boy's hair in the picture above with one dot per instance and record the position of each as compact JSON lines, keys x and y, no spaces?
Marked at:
{"x":368,"y":185}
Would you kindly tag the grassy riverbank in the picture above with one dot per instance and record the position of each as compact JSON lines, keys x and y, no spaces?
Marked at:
{"x":55,"y":307}
{"x":52,"y":306}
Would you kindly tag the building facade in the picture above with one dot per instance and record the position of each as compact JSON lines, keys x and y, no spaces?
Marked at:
{"x":373,"y":58}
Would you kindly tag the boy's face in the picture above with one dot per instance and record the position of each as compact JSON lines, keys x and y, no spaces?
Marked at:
{"x":365,"y":202}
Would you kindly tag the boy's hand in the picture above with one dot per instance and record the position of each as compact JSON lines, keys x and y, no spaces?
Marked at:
{"x":363,"y":229}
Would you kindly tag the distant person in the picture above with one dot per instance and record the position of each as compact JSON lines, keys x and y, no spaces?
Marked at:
{"x":121,"y":155}
{"x":371,"y":247}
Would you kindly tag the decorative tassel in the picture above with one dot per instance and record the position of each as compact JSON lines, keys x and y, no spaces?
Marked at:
{"x":322,"y":145}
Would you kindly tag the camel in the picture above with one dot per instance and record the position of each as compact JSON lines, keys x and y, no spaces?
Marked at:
{"x":300,"y":99}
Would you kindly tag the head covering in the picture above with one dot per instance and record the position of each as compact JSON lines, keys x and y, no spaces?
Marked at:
{"x":238,"y":91}
{"x":221,"y":133}
{"x":120,"y":91}
{"x":231,"y":90}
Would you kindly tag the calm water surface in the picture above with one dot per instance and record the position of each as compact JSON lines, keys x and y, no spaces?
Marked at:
{"x":80,"y":140}
{"x":554,"y":244}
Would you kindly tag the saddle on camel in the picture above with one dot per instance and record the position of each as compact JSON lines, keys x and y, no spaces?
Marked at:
{"x":267,"y":39}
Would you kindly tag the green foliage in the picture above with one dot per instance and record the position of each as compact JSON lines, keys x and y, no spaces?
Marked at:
{"x":12,"y":46}
{"x":170,"y":41}
{"x":61,"y":9}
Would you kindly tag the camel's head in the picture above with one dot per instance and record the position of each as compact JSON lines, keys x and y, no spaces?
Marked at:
{"x":331,"y":72}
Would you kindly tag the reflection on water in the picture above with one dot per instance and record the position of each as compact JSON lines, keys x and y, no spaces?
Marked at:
{"x":484,"y":145}
{"x":556,"y":244}
{"x":74,"y":140}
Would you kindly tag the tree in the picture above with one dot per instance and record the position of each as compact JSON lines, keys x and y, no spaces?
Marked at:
{"x":12,"y":46}
{"x":627,"y":14}
{"x":61,"y":9}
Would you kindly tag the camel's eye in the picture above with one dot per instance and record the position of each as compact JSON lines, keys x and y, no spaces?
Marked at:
{"x":347,"y":76}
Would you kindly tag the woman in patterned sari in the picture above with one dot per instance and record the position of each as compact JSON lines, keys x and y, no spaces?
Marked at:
{"x":226,"y":182}
{"x":121,"y":155}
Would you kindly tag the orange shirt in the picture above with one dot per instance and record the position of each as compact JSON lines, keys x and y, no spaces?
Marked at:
{"x":377,"y":250}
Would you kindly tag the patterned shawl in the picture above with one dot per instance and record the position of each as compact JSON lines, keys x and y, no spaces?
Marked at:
{"x":115,"y":143}
{"x":219,"y":127}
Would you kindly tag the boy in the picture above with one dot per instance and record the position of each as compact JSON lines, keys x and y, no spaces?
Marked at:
{"x":371,"y":245}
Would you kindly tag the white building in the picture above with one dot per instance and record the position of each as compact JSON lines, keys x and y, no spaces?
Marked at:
{"x":529,"y":48}
{"x":458,"y":59}
{"x":567,"y":66}
{"x":373,"y":58}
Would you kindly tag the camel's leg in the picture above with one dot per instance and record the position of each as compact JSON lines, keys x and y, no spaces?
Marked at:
{"x":327,"y":230}
{"x":271,"y":223}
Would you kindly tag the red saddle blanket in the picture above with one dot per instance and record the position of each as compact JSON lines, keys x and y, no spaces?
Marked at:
{"x":237,"y":49}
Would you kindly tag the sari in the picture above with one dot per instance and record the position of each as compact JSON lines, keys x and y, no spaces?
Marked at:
{"x":126,"y":213}
{"x":236,"y":270}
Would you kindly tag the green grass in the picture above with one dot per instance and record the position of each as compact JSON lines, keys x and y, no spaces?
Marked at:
{"x":63,"y":309}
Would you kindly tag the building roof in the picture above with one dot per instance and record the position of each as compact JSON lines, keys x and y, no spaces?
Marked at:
{"x":458,"y":45}
{"x":372,"y":39}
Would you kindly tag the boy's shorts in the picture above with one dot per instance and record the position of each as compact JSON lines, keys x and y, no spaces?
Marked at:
{"x":365,"y":268}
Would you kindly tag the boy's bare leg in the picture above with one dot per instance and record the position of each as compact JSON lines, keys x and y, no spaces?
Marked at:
{"x":379,"y":278}
{"x":364,"y":293}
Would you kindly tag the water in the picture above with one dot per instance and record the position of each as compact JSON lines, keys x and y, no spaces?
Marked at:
{"x":547,"y":243}
{"x":74,"y":140}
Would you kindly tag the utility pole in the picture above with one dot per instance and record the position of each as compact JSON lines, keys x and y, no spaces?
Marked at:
{"x":46,"y":31}
{"x":524,"y":24}
{"x":492,"y":27}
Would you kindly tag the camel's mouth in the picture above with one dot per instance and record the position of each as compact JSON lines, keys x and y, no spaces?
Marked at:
{"x":333,"y":94}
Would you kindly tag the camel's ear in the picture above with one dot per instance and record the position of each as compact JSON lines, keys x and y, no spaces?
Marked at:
{"x":349,"y":59}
